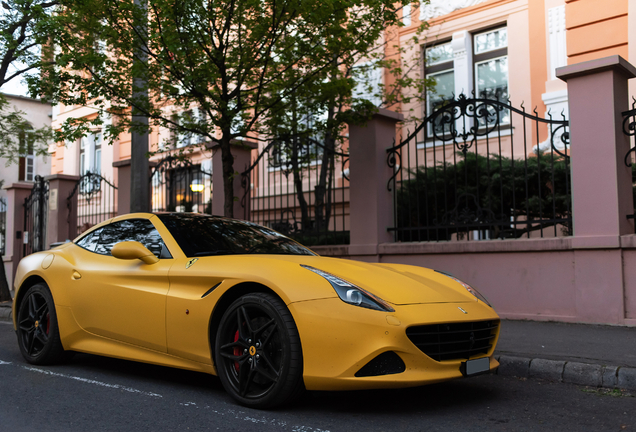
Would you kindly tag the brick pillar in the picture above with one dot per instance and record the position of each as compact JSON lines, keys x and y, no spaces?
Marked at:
{"x":601,"y":184}
{"x":242,"y":152}
{"x":62,"y":218}
{"x":16,"y":194}
{"x":371,"y":203}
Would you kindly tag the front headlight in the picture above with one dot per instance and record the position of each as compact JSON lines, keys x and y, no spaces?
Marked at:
{"x":470,"y":289}
{"x":351,"y":294}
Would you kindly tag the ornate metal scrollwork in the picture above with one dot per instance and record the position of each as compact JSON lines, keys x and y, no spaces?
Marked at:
{"x":629,"y":129}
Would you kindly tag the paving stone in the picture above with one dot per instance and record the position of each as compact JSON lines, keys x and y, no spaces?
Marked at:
{"x":627,"y":378}
{"x":583,"y":374}
{"x":513,"y":366}
{"x":610,"y":376}
{"x":547,"y":369}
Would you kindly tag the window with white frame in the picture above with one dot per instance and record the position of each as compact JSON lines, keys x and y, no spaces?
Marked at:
{"x":26,"y":168}
{"x":368,"y":77}
{"x":90,"y":157}
{"x":193,"y":118}
{"x":440,"y":71}
{"x":490,"y":59}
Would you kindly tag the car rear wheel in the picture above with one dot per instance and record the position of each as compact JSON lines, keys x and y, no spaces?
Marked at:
{"x":258,"y":353}
{"x":38,"y":333}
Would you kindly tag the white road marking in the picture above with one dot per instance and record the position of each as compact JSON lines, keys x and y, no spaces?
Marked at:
{"x":89,"y":381}
{"x":239,"y":415}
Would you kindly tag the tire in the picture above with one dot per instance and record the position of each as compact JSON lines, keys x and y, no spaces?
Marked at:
{"x":38,"y":332}
{"x":258,"y":354}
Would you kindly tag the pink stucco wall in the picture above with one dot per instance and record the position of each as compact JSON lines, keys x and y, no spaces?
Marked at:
{"x":537,"y":279}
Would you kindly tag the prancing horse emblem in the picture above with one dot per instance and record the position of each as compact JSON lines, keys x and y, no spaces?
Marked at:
{"x":462,"y":310}
{"x":192,"y":261}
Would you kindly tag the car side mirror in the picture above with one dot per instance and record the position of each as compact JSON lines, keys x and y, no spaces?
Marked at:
{"x":133,"y":250}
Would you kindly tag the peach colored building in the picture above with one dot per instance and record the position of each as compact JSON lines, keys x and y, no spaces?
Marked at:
{"x":495,"y":48}
{"x":512,"y":47}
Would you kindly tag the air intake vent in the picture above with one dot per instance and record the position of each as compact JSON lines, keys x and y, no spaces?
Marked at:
{"x":455,"y":341}
{"x":387,"y":363}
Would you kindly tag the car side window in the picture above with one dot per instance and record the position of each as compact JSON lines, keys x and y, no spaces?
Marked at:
{"x":89,"y":241}
{"x":101,"y":241}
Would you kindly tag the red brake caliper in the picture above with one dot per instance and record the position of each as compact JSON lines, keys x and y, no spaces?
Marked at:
{"x":237,"y":351}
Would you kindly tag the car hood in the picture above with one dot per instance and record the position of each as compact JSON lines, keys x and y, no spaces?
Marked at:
{"x":395,"y":283}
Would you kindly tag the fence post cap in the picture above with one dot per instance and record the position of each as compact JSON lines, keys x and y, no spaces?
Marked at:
{"x":61,"y":177}
{"x":614,"y":62}
{"x":383,"y":112}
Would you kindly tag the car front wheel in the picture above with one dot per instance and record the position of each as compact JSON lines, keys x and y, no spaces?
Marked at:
{"x":258,"y":353}
{"x":38,"y":333}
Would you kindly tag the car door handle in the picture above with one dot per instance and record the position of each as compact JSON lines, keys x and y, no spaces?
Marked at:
{"x":76,"y":275}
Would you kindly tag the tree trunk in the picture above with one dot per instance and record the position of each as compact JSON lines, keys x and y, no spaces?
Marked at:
{"x":298,"y":184}
{"x":228,"y":175}
{"x":139,"y":165}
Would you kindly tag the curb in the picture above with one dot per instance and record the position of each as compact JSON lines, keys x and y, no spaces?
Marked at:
{"x":586,"y":374}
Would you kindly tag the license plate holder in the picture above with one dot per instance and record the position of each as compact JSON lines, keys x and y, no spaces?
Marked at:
{"x":475,"y":367}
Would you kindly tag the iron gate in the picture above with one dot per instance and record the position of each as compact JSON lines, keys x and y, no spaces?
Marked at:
{"x":477,"y":169}
{"x":36,"y":209}
{"x":299,"y":187}
{"x":179,"y":185}
{"x":96,"y":201}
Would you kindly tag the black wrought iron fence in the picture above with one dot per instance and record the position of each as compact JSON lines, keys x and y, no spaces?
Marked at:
{"x":3,"y":226}
{"x":479,"y":169}
{"x":299,"y":187}
{"x":629,"y":129}
{"x":96,"y":201}
{"x":36,"y":209}
{"x":179,"y":185}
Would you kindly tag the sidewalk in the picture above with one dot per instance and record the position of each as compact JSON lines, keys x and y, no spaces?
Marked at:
{"x":584,"y":354}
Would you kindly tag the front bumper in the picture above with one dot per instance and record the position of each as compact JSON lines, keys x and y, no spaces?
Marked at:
{"x":339,"y":339}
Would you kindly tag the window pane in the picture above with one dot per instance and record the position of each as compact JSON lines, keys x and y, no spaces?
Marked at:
{"x":140,"y":230}
{"x":98,"y":161}
{"x":90,"y":241}
{"x":492,"y":83}
{"x":492,"y":79}
{"x":491,"y":40}
{"x":443,"y":91}
{"x":439,"y":54}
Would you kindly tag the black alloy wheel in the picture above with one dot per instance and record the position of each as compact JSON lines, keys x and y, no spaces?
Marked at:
{"x":258,"y":354}
{"x":38,"y":333}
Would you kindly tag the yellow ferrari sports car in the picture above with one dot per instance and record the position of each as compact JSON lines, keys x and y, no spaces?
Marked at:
{"x":241,"y":301}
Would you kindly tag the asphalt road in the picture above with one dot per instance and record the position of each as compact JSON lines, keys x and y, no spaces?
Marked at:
{"x":101,"y":394}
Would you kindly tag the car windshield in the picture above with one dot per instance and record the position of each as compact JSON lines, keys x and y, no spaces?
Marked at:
{"x":203,"y":235}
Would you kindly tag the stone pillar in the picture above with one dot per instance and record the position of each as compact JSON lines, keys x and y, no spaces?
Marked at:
{"x":371,"y":203}
{"x":62,"y":218}
{"x":242,"y":152}
{"x":123,"y":186}
{"x":16,"y":194}
{"x":601,"y":183}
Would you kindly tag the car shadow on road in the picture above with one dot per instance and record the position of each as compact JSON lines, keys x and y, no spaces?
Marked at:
{"x":437,"y":398}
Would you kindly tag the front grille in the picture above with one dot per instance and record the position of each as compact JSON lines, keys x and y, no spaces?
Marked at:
{"x":454,"y":341}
